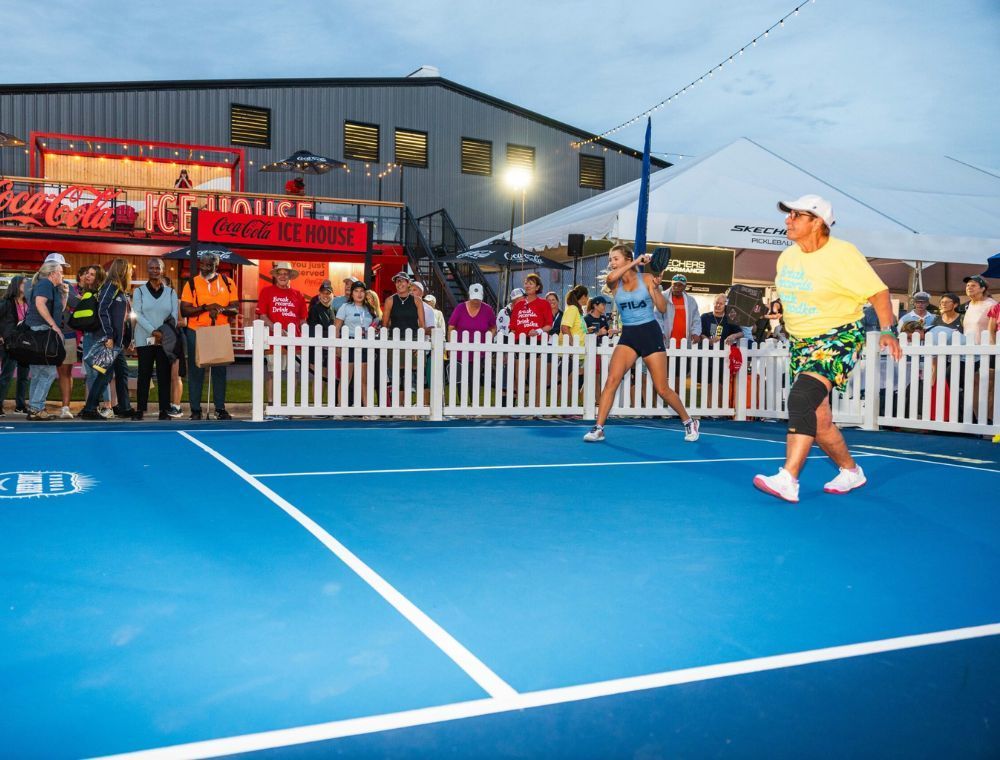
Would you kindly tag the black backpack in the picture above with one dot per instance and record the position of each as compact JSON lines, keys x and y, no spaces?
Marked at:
{"x":85,"y":317}
{"x":8,"y":318}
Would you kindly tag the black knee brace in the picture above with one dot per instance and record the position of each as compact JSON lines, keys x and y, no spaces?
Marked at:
{"x":803,"y":400}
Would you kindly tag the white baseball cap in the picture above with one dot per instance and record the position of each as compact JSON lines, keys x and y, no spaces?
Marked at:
{"x":516,"y":293}
{"x":56,"y":258}
{"x":417,"y":284}
{"x":814,"y":204}
{"x":476,"y":292}
{"x":430,"y":299}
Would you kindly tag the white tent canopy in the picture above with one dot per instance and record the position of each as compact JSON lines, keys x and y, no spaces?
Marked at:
{"x":909,"y":208}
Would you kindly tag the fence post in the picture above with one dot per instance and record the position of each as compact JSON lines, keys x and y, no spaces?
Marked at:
{"x":589,"y":377}
{"x":870,"y":403}
{"x":257,"y":370}
{"x":740,"y":407}
{"x":437,"y":374}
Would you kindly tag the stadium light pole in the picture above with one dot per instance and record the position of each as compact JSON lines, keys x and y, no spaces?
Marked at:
{"x":516,"y":178}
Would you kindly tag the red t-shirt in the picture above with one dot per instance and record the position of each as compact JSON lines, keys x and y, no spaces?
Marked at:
{"x":678,"y":330}
{"x":526,"y":317}
{"x":283,"y":306}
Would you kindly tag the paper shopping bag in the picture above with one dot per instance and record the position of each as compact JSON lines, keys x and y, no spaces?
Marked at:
{"x":213,"y":346}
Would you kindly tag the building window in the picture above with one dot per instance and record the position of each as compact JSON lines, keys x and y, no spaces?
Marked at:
{"x":521,"y":156}
{"x":477,"y":156}
{"x":250,"y":126}
{"x":361,"y":141}
{"x":592,"y":172}
{"x":411,"y":148}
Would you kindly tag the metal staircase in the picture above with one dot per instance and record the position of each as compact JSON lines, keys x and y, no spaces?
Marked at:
{"x":442,"y":239}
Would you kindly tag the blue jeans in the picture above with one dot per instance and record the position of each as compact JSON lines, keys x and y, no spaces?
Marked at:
{"x":119,"y":370}
{"x":90,"y":374}
{"x":7,"y":369}
{"x":42,"y":377}
{"x":196,"y":378}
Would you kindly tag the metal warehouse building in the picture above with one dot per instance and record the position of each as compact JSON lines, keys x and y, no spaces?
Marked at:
{"x":438,"y":143}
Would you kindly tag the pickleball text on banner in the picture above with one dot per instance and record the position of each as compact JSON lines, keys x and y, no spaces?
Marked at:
{"x":281,"y":232}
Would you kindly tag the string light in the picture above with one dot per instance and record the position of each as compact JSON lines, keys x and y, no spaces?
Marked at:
{"x":780,"y":23}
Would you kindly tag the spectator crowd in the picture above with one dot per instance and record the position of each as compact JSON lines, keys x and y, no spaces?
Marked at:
{"x":100,"y":319}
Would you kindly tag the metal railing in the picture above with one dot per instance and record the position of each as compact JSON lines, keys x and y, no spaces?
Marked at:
{"x":445,"y":240}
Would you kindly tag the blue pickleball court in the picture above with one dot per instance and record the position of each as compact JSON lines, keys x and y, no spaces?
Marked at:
{"x":494,"y":590}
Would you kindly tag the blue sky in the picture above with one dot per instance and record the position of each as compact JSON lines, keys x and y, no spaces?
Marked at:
{"x":908,"y":77}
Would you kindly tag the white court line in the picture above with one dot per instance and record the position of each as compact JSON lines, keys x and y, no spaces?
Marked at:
{"x":952,"y":457}
{"x":377,"y":723}
{"x":853,"y":453}
{"x":523,"y":466}
{"x":713,"y":435}
{"x":931,"y":461}
{"x":491,"y":683}
{"x":206,"y":427}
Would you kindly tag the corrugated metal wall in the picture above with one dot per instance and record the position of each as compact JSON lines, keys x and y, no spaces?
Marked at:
{"x":312,"y":117}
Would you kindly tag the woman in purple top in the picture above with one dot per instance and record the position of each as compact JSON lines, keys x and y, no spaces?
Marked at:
{"x":473,"y":317}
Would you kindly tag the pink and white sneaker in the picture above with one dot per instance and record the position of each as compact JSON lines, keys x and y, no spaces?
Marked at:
{"x":782,"y":485}
{"x":846,"y":480}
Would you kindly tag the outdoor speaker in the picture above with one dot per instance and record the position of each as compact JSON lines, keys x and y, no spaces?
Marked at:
{"x":574,"y":245}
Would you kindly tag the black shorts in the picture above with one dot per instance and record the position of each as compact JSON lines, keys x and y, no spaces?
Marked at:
{"x":644,"y":339}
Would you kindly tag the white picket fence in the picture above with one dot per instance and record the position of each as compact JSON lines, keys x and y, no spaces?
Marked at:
{"x":426,"y":375}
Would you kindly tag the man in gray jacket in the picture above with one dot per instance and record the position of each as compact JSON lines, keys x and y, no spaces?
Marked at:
{"x":681,"y":320}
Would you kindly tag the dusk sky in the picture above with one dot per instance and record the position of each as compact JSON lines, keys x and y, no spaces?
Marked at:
{"x":843,"y":73}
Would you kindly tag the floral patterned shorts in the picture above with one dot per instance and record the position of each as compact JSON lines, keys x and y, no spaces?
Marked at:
{"x":831,"y":355}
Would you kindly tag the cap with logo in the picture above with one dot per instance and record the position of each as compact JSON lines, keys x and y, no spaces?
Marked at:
{"x":402,"y":276}
{"x":679,"y":278}
{"x":977,"y":279}
{"x":476,"y":292}
{"x":516,"y":293}
{"x":812,"y":204}
{"x":326,"y":285}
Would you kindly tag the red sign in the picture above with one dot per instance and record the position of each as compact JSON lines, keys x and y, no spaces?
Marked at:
{"x":76,"y":206}
{"x":282,"y":232}
{"x":171,"y":212}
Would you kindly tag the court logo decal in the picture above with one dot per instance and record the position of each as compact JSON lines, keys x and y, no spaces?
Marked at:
{"x":32,"y":485}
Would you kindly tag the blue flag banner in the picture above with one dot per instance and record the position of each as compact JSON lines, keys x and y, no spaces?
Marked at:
{"x":643,"y":213}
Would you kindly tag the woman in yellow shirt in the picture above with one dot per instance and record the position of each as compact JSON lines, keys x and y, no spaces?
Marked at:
{"x":823,"y":284}
{"x":572,"y":321}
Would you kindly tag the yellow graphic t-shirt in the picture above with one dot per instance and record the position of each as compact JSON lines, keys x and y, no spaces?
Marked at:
{"x":824,"y":289}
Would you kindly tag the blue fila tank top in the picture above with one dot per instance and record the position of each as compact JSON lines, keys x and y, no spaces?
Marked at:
{"x":635,"y":306}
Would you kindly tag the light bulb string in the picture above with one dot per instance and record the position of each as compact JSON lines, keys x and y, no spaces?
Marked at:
{"x":710,"y":74}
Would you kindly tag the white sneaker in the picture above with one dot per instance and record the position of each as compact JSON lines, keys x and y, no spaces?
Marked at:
{"x":106,"y":412}
{"x":595,"y":434}
{"x":65,"y":414}
{"x":175,"y":412}
{"x":691,"y":430}
{"x":846,"y":480}
{"x":782,"y":485}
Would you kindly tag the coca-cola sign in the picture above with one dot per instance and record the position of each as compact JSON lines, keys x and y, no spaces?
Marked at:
{"x":76,"y":206}
{"x":282,"y":232}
